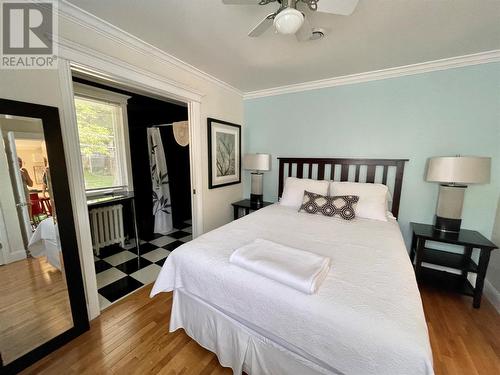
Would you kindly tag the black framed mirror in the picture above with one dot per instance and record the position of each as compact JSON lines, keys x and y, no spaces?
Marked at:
{"x":42,"y":299}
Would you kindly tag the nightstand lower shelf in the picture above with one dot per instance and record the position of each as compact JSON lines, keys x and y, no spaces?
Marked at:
{"x":446,"y":280}
{"x":449,"y":259}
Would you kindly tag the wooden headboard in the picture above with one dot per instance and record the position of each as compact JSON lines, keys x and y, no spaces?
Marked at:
{"x":384,"y":171}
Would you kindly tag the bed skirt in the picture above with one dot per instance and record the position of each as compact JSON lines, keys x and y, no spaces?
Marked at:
{"x":236,"y":345}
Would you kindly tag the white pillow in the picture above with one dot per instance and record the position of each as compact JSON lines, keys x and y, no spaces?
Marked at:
{"x":293,"y":193}
{"x":372,"y":202}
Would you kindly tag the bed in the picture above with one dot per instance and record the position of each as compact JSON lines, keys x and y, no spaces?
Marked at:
{"x":44,"y":242}
{"x":366,"y":318}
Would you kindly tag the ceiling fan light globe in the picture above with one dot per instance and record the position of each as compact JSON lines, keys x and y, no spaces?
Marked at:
{"x":288,"y":21}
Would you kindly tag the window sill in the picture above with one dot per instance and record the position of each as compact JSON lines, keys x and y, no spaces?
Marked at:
{"x":108,"y":191}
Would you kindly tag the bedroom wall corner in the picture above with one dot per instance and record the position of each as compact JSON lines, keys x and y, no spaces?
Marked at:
{"x":217,"y":207}
{"x":492,"y":284}
{"x":446,"y":112}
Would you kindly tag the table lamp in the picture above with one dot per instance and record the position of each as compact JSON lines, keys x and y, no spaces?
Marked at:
{"x":454,"y":174}
{"x":257,"y":163}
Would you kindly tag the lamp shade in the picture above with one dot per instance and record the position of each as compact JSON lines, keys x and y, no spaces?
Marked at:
{"x":257,"y":162}
{"x":459,"y":170}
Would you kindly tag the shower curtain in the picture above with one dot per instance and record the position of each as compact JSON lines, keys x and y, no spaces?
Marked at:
{"x":162,"y":211}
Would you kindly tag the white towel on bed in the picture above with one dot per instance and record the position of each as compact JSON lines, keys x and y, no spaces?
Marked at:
{"x":299,"y":269}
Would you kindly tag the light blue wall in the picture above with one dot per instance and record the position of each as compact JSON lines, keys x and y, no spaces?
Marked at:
{"x":456,"y":111}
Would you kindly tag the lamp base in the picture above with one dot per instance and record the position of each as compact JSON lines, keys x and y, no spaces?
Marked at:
{"x":256,"y":193}
{"x":256,"y":200}
{"x":447,"y":225}
{"x":449,"y":208}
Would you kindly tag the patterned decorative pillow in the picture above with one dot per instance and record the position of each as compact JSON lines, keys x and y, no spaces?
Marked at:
{"x":342,"y":205}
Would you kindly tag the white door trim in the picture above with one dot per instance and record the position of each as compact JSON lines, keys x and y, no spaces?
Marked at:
{"x":76,"y":182}
{"x":196,"y":167}
{"x":18,"y":185}
{"x":117,"y":71}
{"x":10,"y":234}
{"x":4,"y":240}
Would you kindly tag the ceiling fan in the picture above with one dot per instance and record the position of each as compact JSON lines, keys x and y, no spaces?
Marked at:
{"x":290,"y":20}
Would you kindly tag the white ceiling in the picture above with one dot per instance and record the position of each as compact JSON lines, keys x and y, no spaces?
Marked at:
{"x":379,"y":34}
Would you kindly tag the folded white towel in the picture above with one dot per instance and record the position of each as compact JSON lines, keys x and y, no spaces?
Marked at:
{"x":299,"y":269}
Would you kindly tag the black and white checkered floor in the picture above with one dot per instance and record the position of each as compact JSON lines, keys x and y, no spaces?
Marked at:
{"x":120,"y":271}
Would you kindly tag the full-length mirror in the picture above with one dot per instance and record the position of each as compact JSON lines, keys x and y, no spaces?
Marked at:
{"x":34,"y":306}
{"x":35,"y":300}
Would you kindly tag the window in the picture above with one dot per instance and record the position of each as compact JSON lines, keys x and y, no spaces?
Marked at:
{"x":103,"y":144}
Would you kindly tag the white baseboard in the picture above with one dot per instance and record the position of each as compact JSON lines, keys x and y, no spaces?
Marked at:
{"x":492,"y":294}
{"x":15,"y":256}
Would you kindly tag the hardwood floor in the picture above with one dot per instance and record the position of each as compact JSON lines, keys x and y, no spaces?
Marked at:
{"x":131,"y":337}
{"x":464,"y":340}
{"x":34,"y":306}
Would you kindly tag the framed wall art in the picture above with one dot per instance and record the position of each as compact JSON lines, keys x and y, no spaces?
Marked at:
{"x":224,"y":153}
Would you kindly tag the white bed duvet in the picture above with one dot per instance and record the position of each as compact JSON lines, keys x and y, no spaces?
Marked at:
{"x":366,"y":317}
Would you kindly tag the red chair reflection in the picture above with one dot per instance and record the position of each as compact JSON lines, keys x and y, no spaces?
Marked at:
{"x":36,"y":205}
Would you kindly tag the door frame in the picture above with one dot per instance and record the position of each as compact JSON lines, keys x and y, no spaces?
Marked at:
{"x":4,"y":240}
{"x":21,"y":202}
{"x":115,"y":71}
{"x":11,"y":233}
{"x":67,"y":231}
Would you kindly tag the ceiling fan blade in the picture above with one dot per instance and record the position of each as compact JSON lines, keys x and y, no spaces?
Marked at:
{"x":305,"y":32}
{"x":341,"y":7}
{"x":262,"y":26}
{"x":247,"y":2}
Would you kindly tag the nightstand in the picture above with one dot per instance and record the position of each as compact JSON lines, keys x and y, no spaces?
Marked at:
{"x":247,"y":206}
{"x":469,"y":240}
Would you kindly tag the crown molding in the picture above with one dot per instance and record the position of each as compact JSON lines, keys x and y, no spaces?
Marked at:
{"x":85,"y":57}
{"x":429,"y":66}
{"x":85,"y":19}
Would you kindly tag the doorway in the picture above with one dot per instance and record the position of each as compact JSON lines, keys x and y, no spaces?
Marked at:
{"x":16,"y":168}
{"x":126,"y":265}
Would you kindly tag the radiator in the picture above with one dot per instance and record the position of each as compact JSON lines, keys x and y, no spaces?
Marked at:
{"x":106,"y":225}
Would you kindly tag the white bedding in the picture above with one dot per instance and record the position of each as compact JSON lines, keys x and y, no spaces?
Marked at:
{"x":366,"y":318}
{"x":45,"y":242}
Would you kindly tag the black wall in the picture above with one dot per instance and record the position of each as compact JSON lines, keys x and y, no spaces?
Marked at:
{"x":144,"y":112}
{"x":179,"y":176}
